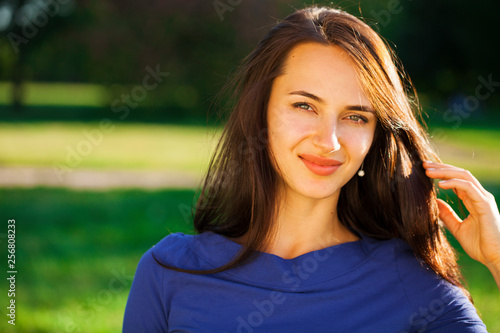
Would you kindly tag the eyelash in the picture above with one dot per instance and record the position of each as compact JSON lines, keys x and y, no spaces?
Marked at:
{"x":360,"y":118}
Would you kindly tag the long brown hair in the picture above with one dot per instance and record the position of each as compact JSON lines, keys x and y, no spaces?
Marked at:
{"x":395,"y":199}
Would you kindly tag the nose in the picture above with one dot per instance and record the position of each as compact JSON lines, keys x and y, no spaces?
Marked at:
{"x":327,"y":138}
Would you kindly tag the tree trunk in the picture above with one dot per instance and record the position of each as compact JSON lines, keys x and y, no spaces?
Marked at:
{"x":18,"y":68}
{"x":17,"y":82}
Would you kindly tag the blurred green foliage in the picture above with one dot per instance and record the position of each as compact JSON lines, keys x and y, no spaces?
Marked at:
{"x":445,"y":46}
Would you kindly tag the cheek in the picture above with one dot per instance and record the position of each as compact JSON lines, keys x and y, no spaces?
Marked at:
{"x":357,"y":142}
{"x":286,"y":130}
{"x":366,"y":142}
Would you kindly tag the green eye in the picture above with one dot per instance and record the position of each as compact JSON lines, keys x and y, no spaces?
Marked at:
{"x":357,"y":118}
{"x":303,"y":106}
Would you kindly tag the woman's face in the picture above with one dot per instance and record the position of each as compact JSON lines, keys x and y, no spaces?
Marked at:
{"x":317,"y":109}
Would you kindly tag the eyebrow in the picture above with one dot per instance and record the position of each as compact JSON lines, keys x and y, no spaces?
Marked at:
{"x":308,"y":95}
{"x":363,"y":108}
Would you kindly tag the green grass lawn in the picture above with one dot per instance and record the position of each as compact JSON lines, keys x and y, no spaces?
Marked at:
{"x":125,"y":146}
{"x":475,"y":149}
{"x":188,"y":148}
{"x":64,"y":93}
{"x":77,"y":253}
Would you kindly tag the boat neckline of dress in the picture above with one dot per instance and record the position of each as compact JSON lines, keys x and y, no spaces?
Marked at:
{"x":361,"y":238}
{"x":269,"y":270}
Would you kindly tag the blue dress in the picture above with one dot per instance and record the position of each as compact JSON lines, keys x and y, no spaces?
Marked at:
{"x":363,"y":286}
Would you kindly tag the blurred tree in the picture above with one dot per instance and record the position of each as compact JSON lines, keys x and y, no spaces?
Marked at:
{"x":22,"y":21}
{"x":18,"y":45}
{"x":444,"y":45}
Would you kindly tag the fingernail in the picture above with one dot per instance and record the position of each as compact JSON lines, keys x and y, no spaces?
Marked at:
{"x":442,"y":181}
{"x":431,"y":169}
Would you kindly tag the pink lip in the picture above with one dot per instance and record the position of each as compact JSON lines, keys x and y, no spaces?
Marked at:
{"x":320,"y":165}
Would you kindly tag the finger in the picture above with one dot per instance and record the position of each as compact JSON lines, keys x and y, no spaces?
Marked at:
{"x":471,"y":196}
{"x":449,"y":217}
{"x":446,"y":172}
{"x":450,"y":173}
{"x":429,"y":164}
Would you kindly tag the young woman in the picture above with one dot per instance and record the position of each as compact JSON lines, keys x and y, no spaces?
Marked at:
{"x":318,"y":212}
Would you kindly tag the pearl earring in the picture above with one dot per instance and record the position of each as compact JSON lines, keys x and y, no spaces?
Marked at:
{"x":361,"y":172}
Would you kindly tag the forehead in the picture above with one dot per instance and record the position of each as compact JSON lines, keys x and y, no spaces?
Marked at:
{"x":324,"y":70}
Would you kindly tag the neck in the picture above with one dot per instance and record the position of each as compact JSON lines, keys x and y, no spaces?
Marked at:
{"x":304,"y":225}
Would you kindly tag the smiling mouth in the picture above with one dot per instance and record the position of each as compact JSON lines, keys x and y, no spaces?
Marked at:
{"x":326,"y":168}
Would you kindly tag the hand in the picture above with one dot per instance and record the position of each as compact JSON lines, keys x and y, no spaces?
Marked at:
{"x":479,"y":233}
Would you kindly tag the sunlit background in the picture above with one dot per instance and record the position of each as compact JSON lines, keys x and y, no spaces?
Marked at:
{"x":108,"y":117}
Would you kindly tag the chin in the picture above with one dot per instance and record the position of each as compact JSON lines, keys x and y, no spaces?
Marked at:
{"x":317,"y":192}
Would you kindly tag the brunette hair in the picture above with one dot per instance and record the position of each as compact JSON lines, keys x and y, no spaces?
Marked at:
{"x":394,"y":200}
